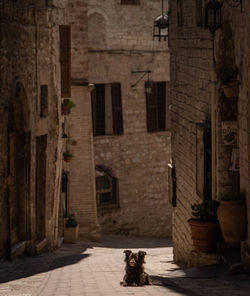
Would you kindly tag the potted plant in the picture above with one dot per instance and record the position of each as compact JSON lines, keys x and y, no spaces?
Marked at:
{"x":71,"y":229}
{"x":67,"y":105}
{"x":228,"y":80}
{"x":67,"y":156}
{"x":232,"y":216}
{"x":205,"y":227}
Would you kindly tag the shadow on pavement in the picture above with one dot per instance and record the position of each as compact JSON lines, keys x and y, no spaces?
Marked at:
{"x":29,"y":266}
{"x":130,"y":242}
{"x":170,"y":285}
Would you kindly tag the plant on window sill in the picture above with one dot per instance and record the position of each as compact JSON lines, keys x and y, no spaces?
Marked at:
{"x":67,"y":156}
{"x":71,"y":221}
{"x":105,"y":169}
{"x":67,"y":105}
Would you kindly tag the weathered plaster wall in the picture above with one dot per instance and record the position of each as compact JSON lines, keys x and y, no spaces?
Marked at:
{"x":139,"y":159}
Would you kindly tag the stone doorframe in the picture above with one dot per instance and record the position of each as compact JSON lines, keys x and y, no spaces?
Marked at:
{"x":18,"y":197}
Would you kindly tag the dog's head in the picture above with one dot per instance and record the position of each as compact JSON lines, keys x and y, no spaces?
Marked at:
{"x":134,"y":259}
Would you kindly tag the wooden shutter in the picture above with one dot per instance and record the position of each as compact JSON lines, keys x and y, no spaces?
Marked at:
{"x":65,"y":60}
{"x":117,"y":108}
{"x":99,"y":109}
{"x":130,"y":1}
{"x":161,"y":105}
{"x":115,"y":191}
{"x":151,"y":102}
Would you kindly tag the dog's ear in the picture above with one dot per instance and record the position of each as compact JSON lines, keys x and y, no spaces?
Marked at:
{"x":127,"y":252}
{"x":142,"y":254}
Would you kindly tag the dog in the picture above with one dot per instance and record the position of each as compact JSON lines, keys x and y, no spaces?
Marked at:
{"x":134,"y":269}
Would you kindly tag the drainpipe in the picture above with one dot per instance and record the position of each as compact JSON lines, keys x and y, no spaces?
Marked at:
{"x":213,"y":129}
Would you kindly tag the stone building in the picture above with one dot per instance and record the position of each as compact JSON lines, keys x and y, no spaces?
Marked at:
{"x":200,"y":109}
{"x":40,"y":52}
{"x":131,"y":131}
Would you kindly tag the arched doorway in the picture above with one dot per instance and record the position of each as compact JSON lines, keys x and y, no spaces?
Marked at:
{"x":18,"y":165}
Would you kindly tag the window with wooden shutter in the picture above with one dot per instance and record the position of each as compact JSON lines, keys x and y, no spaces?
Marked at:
{"x":107,"y":192}
{"x":107,"y":109}
{"x":98,"y":109}
{"x":117,"y":108}
{"x":130,"y":2}
{"x":65,"y":60}
{"x":156,"y":107}
{"x":179,"y":13}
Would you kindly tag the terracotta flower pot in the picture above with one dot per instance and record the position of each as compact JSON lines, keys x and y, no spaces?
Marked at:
{"x":231,"y":89}
{"x":65,"y":110}
{"x":67,"y":159}
{"x":71,"y":234}
{"x":232,"y":219}
{"x":205,"y":235}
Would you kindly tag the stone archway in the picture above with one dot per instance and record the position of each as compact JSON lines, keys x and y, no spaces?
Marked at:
{"x":18,"y":165}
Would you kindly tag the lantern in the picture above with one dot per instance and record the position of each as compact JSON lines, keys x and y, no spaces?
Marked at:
{"x":213,"y":16}
{"x":161,"y":26}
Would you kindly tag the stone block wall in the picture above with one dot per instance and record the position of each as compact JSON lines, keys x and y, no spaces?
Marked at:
{"x":191,"y":90}
{"x":79,"y":126}
{"x":29,"y":42}
{"x":123,"y":43}
{"x":195,"y":96}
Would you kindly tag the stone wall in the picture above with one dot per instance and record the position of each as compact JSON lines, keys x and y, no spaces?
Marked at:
{"x":79,"y":125}
{"x":195,"y":97}
{"x":29,"y":40}
{"x":120,"y":41}
{"x":239,"y":24}
{"x":191,"y":87}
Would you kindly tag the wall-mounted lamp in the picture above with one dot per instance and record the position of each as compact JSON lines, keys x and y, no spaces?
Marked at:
{"x":161,"y":25}
{"x":213,"y":15}
{"x":148,"y":84}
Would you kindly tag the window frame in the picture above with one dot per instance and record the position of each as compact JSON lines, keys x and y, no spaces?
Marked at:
{"x":130,"y":2}
{"x":113,"y":190}
{"x":99,"y":115}
{"x":154,"y":112}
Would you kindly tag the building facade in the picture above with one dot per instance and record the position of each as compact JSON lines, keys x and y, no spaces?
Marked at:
{"x":43,"y":66}
{"x":131,"y":129}
{"x":30,"y":131}
{"x":198,"y":105}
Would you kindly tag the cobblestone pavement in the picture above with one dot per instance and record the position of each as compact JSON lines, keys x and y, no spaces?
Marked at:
{"x":89,"y":269}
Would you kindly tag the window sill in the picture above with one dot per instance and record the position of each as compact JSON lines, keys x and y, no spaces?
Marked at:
{"x":103,"y":208}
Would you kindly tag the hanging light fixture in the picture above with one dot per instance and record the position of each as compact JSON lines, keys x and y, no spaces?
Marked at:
{"x":161,"y":25}
{"x":213,"y":19}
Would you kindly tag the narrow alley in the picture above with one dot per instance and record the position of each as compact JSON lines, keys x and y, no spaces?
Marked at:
{"x":93,"y":269}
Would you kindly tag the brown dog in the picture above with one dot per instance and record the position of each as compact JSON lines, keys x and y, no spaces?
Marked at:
{"x":134,"y":270}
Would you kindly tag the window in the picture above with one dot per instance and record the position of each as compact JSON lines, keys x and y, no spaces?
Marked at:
{"x":106,"y":191}
{"x":65,"y":60}
{"x":43,"y":100}
{"x":156,"y":108}
{"x":199,"y":12}
{"x":179,"y":13}
{"x":130,"y":1}
{"x":107,"y":109}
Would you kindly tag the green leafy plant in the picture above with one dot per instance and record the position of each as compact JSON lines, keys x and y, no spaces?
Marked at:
{"x":233,"y":196}
{"x":71,"y":221}
{"x":67,"y":154}
{"x":205,"y":211}
{"x":227,"y":75}
{"x":68,"y":103}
